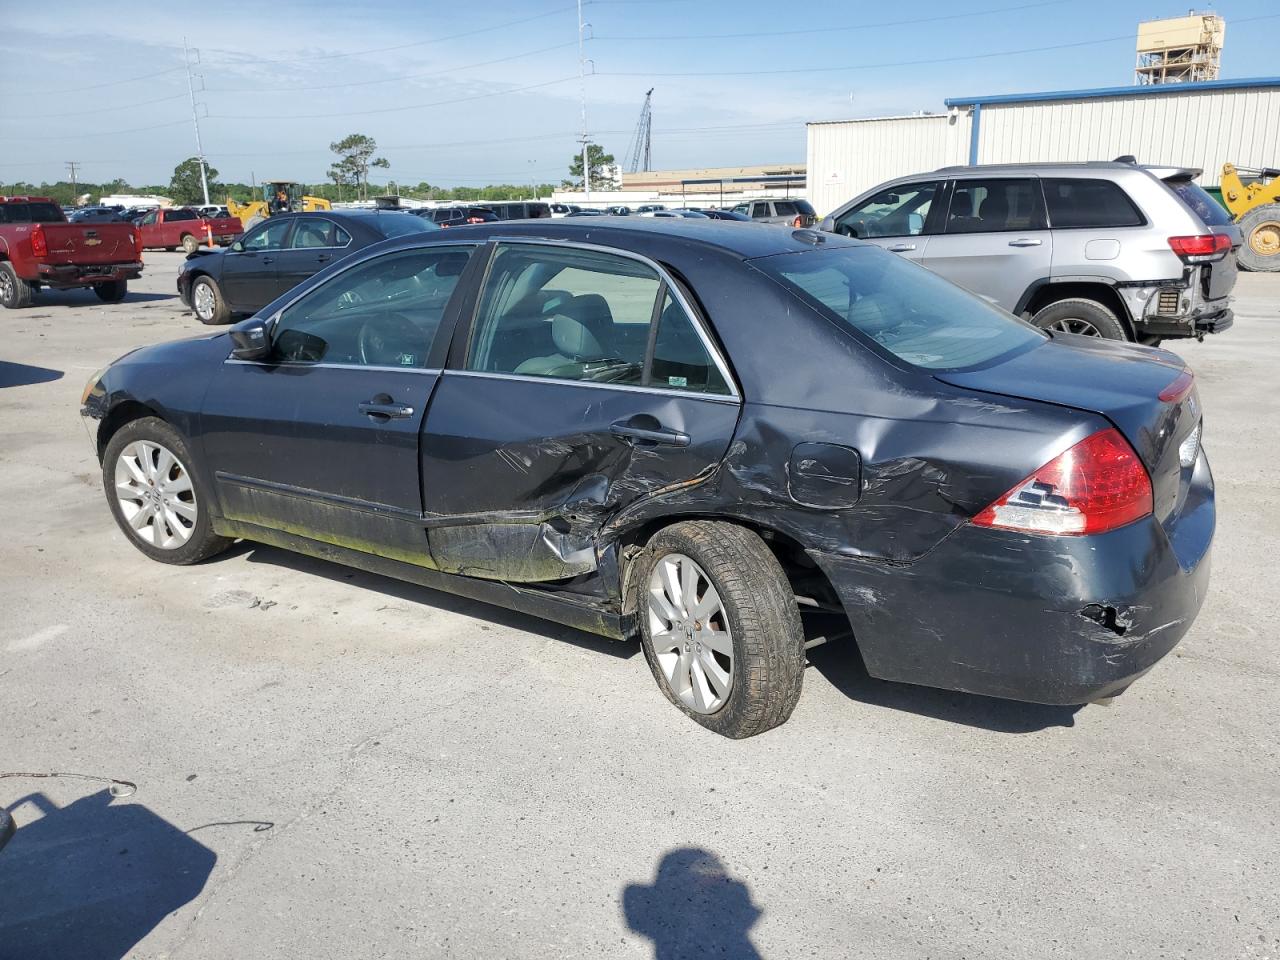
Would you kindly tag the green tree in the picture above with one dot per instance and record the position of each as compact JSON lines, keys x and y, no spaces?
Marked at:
{"x":355,"y":157}
{"x":185,"y":187}
{"x":601,"y":169}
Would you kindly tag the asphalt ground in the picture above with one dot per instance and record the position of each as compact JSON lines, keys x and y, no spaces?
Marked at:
{"x":324,"y":763}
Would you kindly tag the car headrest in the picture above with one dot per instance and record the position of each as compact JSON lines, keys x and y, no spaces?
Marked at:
{"x":575,"y":339}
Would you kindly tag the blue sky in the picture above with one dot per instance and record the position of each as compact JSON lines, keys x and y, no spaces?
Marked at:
{"x":734,"y":81}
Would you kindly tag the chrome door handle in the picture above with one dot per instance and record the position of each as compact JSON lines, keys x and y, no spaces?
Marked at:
{"x":901,"y":247}
{"x":1025,"y":242}
{"x":383,"y":408}
{"x":625,"y":430}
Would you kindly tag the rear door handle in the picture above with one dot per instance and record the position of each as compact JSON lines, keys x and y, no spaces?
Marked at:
{"x":901,"y":247}
{"x":382,"y":408}
{"x":628,"y":430}
{"x":267,"y":260}
{"x":1025,"y":242}
{"x":322,"y":257}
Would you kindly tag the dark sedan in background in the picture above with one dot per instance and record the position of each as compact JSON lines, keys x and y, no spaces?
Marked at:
{"x":280,"y":253}
{"x":700,"y":435}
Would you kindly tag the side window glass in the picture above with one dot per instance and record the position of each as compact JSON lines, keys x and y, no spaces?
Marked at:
{"x":759,"y":211}
{"x":784,"y":208}
{"x":568,"y":314}
{"x":150,"y":218}
{"x":384,"y":312}
{"x":269,"y":236}
{"x":340,"y":237}
{"x":313,"y":233}
{"x":1089,"y":203}
{"x":900,"y":211}
{"x":991,"y":206}
{"x":680,"y":358}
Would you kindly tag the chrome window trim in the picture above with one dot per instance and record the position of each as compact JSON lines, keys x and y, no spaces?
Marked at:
{"x":733,"y":399}
{"x":324,"y":365}
{"x":673,"y":287}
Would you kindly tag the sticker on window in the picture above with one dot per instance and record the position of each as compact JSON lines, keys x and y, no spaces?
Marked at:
{"x":677,"y":381}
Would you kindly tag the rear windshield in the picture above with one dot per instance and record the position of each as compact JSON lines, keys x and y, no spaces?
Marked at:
{"x":31,"y":213}
{"x":903,"y":308}
{"x":402,"y":224}
{"x":1204,"y":206}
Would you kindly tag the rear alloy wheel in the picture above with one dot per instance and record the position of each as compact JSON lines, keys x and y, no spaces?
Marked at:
{"x":153,"y":495}
{"x":113,"y":291}
{"x":720,"y":627}
{"x":189,"y":243}
{"x":15,"y":292}
{"x":207,"y":302}
{"x":1086,"y":318}
{"x":1260,"y":250}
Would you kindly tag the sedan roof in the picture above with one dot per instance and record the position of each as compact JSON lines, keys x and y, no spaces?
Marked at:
{"x":632,"y":232}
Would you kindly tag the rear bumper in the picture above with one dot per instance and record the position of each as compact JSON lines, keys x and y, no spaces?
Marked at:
{"x":79,"y":275}
{"x":1057,"y":620}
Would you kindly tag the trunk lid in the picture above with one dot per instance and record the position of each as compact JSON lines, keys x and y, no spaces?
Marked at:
{"x":1119,"y":381}
{"x":87,"y":244}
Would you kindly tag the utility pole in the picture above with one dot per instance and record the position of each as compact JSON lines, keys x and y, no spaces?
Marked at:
{"x":195,"y":118}
{"x":582,"y":82}
{"x":71,"y":166}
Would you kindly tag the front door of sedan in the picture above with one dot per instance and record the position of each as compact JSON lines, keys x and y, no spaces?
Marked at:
{"x":314,"y":244}
{"x":585,"y":384}
{"x":249,"y":268}
{"x":321,"y":438}
{"x":995,"y":241}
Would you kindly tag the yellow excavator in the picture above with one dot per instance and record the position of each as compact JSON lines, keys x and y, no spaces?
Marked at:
{"x":1252,"y":196}
{"x":278,"y":196}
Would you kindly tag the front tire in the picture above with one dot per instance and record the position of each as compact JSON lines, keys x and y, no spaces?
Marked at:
{"x":1077,"y":315}
{"x":157,"y":501}
{"x":207,"y":302}
{"x":720,"y":627}
{"x":113,"y":291}
{"x":15,"y":293}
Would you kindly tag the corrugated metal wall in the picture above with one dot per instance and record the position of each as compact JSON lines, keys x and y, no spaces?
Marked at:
{"x":851,"y":156}
{"x":1188,"y":129}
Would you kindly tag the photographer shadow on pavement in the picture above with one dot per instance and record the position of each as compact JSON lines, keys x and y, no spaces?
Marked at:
{"x":693,"y":909}
{"x":91,"y":879}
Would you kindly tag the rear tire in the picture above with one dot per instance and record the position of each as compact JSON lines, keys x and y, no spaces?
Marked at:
{"x":189,"y":243}
{"x":752,"y":612}
{"x":15,"y":293}
{"x":170,"y":512}
{"x":1080,"y":316}
{"x":1260,"y":249}
{"x":207,"y":302}
{"x":113,"y":291}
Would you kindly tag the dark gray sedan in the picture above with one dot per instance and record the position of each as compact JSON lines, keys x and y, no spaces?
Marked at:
{"x":280,"y":253}
{"x":698,"y":435}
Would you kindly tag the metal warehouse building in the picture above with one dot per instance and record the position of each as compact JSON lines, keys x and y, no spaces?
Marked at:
{"x":1191,"y":124}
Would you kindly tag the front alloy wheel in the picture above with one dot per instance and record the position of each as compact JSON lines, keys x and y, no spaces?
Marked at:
{"x":690,"y":633}
{"x":156,"y":496}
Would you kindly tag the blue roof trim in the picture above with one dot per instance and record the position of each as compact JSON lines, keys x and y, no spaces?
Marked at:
{"x":1145,"y":90}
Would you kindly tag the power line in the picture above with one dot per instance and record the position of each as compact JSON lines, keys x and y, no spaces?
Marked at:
{"x":897,"y":63}
{"x":79,"y":113}
{"x":107,"y":133}
{"x":110,"y":83}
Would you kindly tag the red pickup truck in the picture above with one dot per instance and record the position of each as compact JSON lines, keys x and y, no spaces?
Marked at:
{"x":38,"y":247}
{"x":174,"y":227}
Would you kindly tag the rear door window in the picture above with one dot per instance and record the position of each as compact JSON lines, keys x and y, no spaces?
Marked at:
{"x":1201,"y":203}
{"x":1089,"y":203}
{"x":992,"y":206}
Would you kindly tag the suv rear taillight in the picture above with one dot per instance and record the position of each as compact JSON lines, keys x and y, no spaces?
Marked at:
{"x":1096,"y":486}
{"x":1201,"y":248}
{"x":475,"y":219}
{"x":39,"y":245}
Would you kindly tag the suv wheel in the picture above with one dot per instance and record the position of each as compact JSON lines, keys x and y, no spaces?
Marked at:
{"x":1087,"y":318}
{"x":720,"y":627}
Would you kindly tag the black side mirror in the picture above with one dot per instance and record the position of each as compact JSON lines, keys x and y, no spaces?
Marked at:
{"x":249,"y":340}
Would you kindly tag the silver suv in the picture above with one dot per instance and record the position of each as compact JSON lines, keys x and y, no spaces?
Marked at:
{"x":1112,"y":250}
{"x":793,"y":212}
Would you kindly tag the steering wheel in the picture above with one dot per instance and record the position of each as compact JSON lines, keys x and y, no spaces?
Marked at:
{"x":384,"y":338}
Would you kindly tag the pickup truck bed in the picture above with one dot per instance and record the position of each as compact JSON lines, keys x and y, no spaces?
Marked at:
{"x":39,"y":248}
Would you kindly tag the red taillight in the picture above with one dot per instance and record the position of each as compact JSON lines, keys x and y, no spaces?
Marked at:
{"x":39,"y":245}
{"x":137,"y":242}
{"x":1096,"y":486}
{"x":798,"y":221}
{"x":475,"y":219}
{"x":1201,"y":248}
{"x":1179,"y":388}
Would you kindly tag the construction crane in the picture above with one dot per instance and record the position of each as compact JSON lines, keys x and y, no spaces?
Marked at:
{"x":641,"y":149}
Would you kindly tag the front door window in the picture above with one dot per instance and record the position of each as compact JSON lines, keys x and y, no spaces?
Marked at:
{"x":899,"y":211}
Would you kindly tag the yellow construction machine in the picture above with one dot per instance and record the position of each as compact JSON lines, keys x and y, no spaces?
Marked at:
{"x":1252,"y":196}
{"x":278,"y":196}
